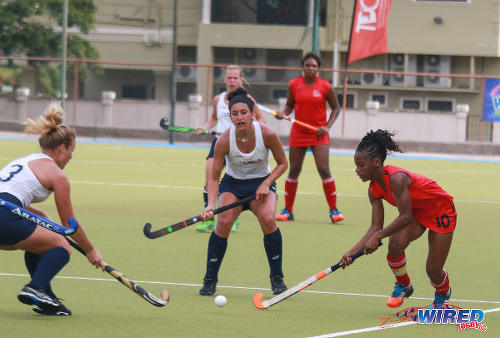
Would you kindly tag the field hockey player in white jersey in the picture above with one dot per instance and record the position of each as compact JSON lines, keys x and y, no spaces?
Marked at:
{"x":245,"y":146}
{"x":31,"y":179}
{"x":221,"y":120}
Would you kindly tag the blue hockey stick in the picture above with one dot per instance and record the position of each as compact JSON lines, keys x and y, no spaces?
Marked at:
{"x":58,"y":229}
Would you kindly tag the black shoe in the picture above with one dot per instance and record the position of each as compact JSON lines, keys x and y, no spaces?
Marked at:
{"x":277,"y":284}
{"x":209,"y":286}
{"x":32,"y":296}
{"x":61,"y":311}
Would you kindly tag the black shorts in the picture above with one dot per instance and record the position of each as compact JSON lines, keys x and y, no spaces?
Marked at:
{"x":13,"y":228}
{"x":242,"y":188}
{"x":212,"y":148}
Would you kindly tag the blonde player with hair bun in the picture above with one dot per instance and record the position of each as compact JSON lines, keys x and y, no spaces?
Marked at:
{"x":220,"y":119}
{"x":31,"y":179}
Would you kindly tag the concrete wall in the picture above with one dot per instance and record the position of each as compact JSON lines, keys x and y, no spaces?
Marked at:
{"x":139,"y":115}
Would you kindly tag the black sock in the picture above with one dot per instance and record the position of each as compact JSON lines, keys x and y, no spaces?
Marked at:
{"x":49,"y":264}
{"x":216,"y":250}
{"x":274,"y":251}
{"x":205,"y":197}
{"x":31,"y":260}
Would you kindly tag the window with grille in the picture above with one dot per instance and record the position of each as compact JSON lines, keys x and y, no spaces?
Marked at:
{"x":380,"y":97}
{"x":440,"y":105}
{"x":411,"y":104}
{"x":350,"y":100}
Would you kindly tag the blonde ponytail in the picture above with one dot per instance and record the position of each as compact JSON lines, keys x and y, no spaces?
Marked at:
{"x":50,"y":128}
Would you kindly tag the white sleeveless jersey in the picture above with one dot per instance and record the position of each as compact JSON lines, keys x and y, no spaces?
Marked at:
{"x":17,"y":179}
{"x":246,"y":166}
{"x":223,"y":115}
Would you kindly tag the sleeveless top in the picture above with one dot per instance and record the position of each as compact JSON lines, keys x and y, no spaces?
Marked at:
{"x":247,"y":166}
{"x":17,"y":179}
{"x":223,"y":115}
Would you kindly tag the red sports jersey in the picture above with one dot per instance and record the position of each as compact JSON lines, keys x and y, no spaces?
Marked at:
{"x":310,"y":107}
{"x":431,"y":205}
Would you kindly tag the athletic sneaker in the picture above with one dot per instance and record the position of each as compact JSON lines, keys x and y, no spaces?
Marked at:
{"x":208,"y":288}
{"x":285,"y":216}
{"x":440,"y":301}
{"x":32,"y":296}
{"x":61,"y":311}
{"x":236,"y":225}
{"x":336,"y":215}
{"x":400,"y":292}
{"x":277,"y":284}
{"x":206,"y":226}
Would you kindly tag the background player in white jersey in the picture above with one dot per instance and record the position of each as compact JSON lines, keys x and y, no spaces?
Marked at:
{"x":245,"y":146}
{"x":32,"y":179}
{"x":221,"y":120}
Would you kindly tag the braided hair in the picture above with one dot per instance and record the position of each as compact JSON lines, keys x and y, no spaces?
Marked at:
{"x":378,"y":144}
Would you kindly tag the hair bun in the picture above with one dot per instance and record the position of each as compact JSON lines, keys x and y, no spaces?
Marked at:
{"x":236,"y":92}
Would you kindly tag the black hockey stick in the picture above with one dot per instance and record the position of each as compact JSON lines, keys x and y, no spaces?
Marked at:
{"x":181,"y":225}
{"x":150,"y":298}
{"x":264,"y":304}
{"x":164,"y":125}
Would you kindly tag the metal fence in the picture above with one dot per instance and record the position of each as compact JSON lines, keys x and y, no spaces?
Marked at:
{"x":395,"y":91}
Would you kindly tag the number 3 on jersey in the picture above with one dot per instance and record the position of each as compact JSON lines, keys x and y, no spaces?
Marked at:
{"x":15,"y":169}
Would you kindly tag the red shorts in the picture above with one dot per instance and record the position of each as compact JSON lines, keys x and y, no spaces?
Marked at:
{"x":300,"y":139}
{"x":443,"y":222}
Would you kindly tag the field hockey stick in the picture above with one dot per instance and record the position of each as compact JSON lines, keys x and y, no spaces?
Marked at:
{"x":150,"y":298}
{"x":291,"y":119}
{"x":181,"y":225}
{"x":32,"y":217}
{"x":164,"y":125}
{"x":260,"y":304}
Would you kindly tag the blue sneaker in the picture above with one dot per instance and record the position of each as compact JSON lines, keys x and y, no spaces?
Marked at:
{"x":336,"y":215}
{"x":38,"y":297}
{"x":400,"y":292}
{"x":285,"y":216}
{"x":440,"y":301}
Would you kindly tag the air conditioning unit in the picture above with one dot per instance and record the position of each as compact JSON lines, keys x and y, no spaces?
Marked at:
{"x":438,"y":64}
{"x":186,"y":73}
{"x":253,"y":56}
{"x":372,"y":79}
{"x":398,"y":65}
{"x":219,"y":73}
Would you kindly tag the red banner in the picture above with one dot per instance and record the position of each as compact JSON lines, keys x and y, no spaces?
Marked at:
{"x":369,"y":29}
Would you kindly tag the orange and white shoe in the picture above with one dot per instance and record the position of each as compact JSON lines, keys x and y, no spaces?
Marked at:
{"x":400,"y":292}
{"x":285,"y":216}
{"x":336,"y":215}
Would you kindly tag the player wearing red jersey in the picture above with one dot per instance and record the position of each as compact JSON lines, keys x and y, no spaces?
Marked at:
{"x":307,"y":95}
{"x":422,"y":205}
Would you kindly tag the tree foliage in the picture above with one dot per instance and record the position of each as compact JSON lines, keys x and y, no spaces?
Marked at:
{"x":34,"y":28}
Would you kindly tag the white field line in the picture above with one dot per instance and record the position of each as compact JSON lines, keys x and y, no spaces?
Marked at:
{"x":168,"y":186}
{"x":377,"y":328}
{"x":246,"y":288}
{"x":195,"y":165}
{"x":333,"y":334}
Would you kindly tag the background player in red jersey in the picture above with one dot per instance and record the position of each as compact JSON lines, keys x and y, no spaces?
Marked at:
{"x":422,"y":205}
{"x":307,"y":95}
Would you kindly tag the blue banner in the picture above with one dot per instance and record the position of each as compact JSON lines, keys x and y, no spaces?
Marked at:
{"x":491,"y":100}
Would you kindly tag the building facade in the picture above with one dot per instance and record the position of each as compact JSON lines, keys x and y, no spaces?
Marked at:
{"x":460,"y":38}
